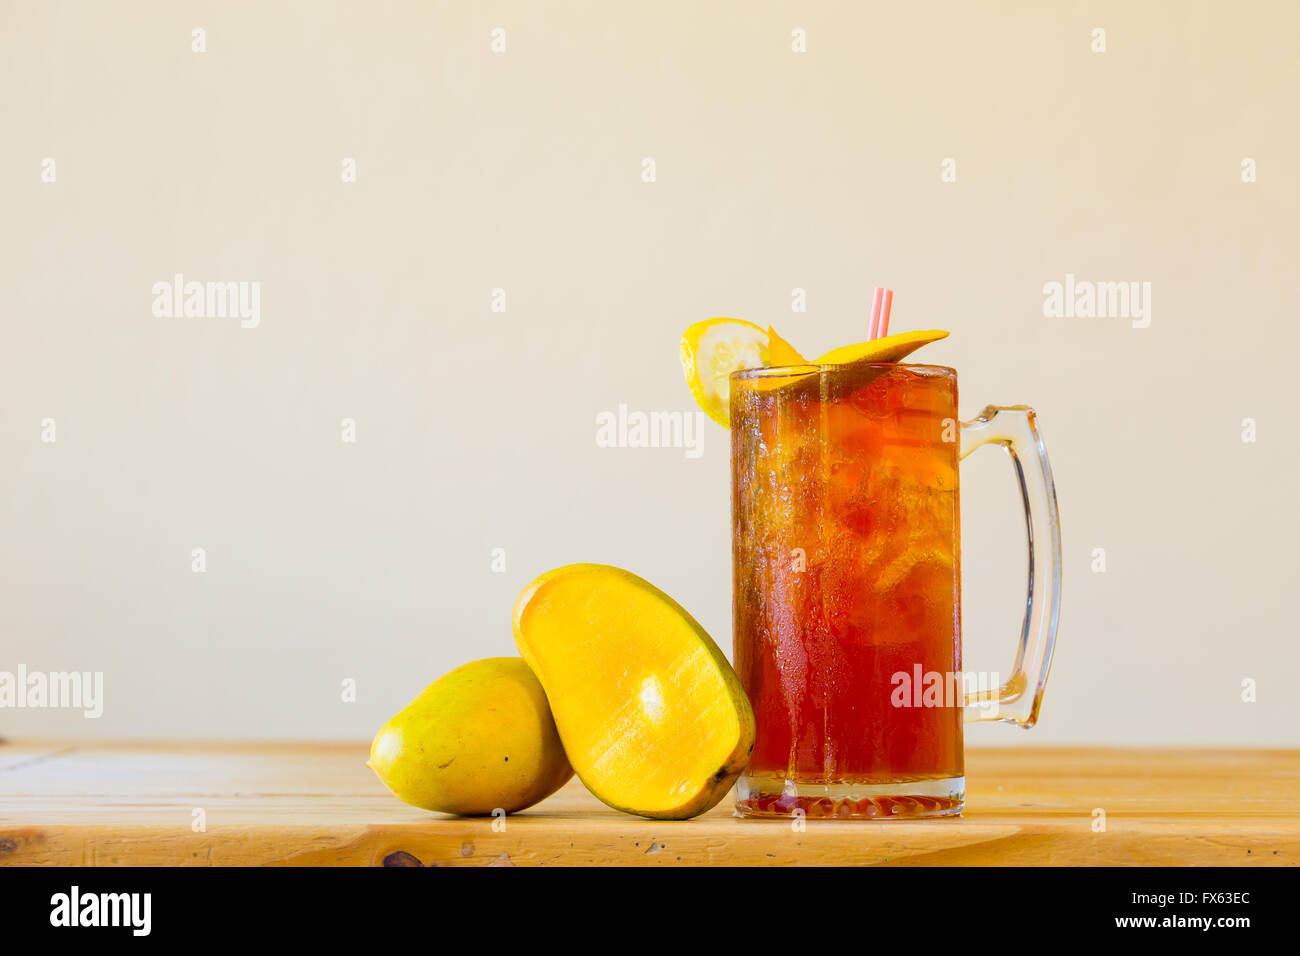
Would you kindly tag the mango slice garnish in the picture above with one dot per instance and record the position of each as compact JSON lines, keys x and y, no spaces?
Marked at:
{"x":890,"y":348}
{"x":782,"y":352}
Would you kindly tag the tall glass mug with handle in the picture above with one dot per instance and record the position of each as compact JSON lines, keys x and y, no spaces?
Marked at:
{"x":847,"y":586}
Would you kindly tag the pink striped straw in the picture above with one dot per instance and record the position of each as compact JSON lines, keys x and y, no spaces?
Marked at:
{"x":882,"y":300}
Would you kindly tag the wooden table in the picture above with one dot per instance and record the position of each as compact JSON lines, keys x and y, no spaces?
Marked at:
{"x":113,"y":803}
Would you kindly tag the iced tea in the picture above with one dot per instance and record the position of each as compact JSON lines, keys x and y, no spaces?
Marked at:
{"x":847,"y":587}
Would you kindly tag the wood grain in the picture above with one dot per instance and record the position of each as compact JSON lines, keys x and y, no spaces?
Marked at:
{"x":313,"y":804}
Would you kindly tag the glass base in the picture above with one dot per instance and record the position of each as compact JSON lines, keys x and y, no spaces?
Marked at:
{"x":766,"y":796}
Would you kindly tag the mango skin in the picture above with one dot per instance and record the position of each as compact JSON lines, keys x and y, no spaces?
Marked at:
{"x":478,"y":739}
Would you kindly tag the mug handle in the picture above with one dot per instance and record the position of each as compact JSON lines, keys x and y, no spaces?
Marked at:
{"x":1013,"y":428}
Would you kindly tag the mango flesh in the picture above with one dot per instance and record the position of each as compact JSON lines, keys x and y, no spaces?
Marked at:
{"x":890,"y":348}
{"x":478,"y":739}
{"x":653,"y":718}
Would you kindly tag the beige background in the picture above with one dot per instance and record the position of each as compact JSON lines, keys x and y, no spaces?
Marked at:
{"x":522,"y":171}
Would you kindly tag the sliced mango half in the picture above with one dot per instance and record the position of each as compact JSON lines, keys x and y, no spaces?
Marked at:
{"x":650,"y":713}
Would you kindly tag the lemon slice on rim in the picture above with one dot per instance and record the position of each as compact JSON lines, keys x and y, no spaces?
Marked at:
{"x":714,"y":348}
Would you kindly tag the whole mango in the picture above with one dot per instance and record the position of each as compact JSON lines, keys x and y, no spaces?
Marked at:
{"x":478,"y":739}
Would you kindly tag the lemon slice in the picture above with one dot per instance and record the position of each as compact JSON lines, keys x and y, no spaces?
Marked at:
{"x":714,"y":348}
{"x":891,"y":348}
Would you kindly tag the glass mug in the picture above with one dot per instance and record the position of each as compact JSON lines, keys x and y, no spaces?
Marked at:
{"x":847,"y":586}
